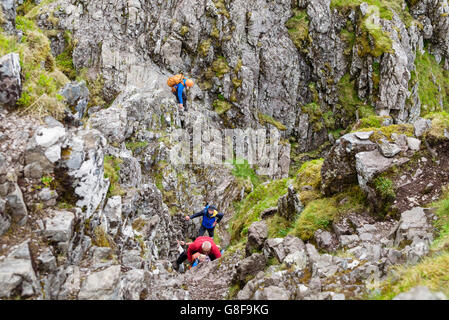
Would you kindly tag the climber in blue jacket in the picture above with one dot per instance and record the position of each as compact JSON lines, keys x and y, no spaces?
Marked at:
{"x":210,"y":219}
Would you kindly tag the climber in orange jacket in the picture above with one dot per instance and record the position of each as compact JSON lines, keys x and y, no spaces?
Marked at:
{"x":178,"y":83}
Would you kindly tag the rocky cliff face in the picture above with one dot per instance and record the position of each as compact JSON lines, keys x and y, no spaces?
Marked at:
{"x":92,"y":204}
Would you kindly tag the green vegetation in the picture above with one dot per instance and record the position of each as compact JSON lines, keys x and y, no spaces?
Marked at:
{"x":442,"y":223}
{"x":46,"y":181}
{"x":134,"y":145}
{"x":298,"y":27}
{"x":315,"y":115}
{"x":349,"y":102}
{"x":431,"y":271}
{"x":244,"y":172}
{"x":220,"y":67}
{"x":308,"y":180}
{"x":42,"y":79}
{"x":385,"y":8}
{"x":204,"y":47}
{"x":221,"y":106}
{"x":433,"y":83}
{"x":369,"y":122}
{"x":348,"y":37}
{"x":440,"y":125}
{"x":101,"y":238}
{"x":373,"y":39}
{"x":385,"y":188}
{"x":264,"y":119}
{"x":386,"y":132}
{"x":319,"y":213}
{"x":220,"y":5}
{"x":111,"y":171}
{"x":183,"y":30}
{"x":278,"y":227}
{"x":64,"y":61}
{"x":248,"y":211}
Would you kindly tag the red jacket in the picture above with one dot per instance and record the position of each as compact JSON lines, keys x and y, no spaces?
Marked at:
{"x":196,"y":247}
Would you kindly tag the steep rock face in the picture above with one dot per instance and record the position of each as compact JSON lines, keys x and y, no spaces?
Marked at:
{"x":433,"y":15}
{"x":115,"y":237}
{"x":270,"y":74}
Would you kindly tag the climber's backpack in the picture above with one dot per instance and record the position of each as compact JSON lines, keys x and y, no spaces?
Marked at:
{"x":174,"y":80}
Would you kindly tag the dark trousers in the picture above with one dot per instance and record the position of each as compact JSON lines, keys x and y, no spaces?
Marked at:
{"x":209,"y":231}
{"x":182,"y":257}
{"x":184,"y":99}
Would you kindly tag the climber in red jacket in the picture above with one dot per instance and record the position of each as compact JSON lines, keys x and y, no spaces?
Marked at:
{"x":201,"y":245}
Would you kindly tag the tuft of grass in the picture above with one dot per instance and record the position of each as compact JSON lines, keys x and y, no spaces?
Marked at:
{"x":385,"y":187}
{"x":278,"y":227}
{"x":319,"y":213}
{"x":134,"y":145}
{"x":440,"y":124}
{"x":430,"y":272}
{"x":315,"y":115}
{"x":183,"y":31}
{"x":43,"y":79}
{"x":384,"y":7}
{"x":298,"y":27}
{"x":248,"y":211}
{"x":385,"y":132}
{"x":220,"y":67}
{"x":101,"y":238}
{"x":369,"y":122}
{"x":221,"y":106}
{"x":373,"y":39}
{"x":442,"y":223}
{"x":309,"y":175}
{"x":204,"y":47}
{"x":64,"y":60}
{"x":243,"y":170}
{"x":264,"y":119}
{"x":433,"y":83}
{"x":111,"y":171}
{"x":350,"y":102}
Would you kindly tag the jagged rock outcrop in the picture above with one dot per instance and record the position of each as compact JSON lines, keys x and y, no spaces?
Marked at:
{"x":339,"y":168}
{"x":433,"y":15}
{"x":17,"y":276}
{"x":10,"y":80}
{"x":289,"y":206}
{"x":257,"y":234}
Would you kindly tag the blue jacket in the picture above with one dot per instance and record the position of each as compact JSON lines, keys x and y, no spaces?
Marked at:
{"x":208,"y":220}
{"x":179,"y":89}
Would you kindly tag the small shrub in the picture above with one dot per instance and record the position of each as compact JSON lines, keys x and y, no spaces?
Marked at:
{"x":385,"y":187}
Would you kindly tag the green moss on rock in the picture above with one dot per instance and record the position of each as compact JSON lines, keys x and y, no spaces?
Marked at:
{"x":220,"y":67}
{"x":264,"y":119}
{"x":298,"y":27}
{"x":112,"y":171}
{"x":204,"y":47}
{"x":221,"y":106}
